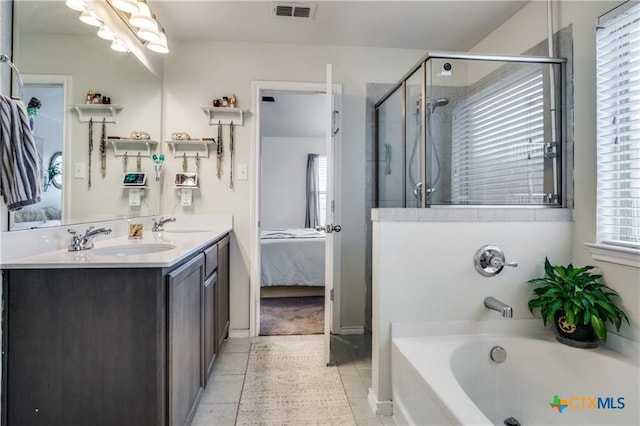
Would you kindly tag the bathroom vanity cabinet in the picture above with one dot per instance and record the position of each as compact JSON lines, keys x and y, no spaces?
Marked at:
{"x":112,"y":346}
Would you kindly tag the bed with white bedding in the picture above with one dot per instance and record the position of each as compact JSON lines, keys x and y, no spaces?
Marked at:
{"x":292,"y":257}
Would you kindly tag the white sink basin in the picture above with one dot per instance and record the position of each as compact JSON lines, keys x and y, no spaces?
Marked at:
{"x":132,"y":249}
{"x":185,"y":230}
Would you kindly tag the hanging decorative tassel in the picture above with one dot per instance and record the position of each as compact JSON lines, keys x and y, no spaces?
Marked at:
{"x":184,"y":161}
{"x":231,"y":155}
{"x":197,"y":162}
{"x":220,"y":150}
{"x":103,"y":149}
{"x":125,"y":158}
{"x":138,"y":163}
{"x":90,"y":147}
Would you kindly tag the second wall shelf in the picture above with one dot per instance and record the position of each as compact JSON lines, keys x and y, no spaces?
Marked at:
{"x":99,"y":112}
{"x":225,"y":115}
{"x":132,"y":147}
{"x":190,"y":148}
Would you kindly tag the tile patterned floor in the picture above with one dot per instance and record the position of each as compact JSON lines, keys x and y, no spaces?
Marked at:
{"x":233,"y":397}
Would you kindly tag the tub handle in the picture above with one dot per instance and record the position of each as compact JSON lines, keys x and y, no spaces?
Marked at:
{"x":489,"y":260}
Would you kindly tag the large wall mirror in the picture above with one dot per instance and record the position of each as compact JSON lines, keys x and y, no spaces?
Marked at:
{"x":61,"y":59}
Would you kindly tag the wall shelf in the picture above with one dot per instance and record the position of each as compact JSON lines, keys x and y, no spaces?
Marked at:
{"x":225,"y":115}
{"x":132,"y":147}
{"x":190,"y":148}
{"x":98,"y":112}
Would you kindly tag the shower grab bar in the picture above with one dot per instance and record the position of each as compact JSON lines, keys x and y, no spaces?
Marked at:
{"x":5,"y":59}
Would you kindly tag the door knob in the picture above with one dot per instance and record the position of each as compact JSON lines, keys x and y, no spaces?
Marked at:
{"x":329,"y":228}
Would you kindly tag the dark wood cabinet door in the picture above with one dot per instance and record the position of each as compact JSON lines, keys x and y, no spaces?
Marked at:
{"x":222,"y":292}
{"x":84,"y":347}
{"x":186,"y":352}
{"x":210,"y":286}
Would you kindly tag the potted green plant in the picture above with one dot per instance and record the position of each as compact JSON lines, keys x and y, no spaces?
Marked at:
{"x":578,"y":303}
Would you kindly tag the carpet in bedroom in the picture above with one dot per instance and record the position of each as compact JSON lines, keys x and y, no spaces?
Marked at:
{"x":291,"y":315}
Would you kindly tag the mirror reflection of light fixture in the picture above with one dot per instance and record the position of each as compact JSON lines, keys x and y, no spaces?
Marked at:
{"x":149,"y":34}
{"x":142,"y":18}
{"x":90,"y":18}
{"x":119,"y":46}
{"x":129,"y":6}
{"x":78,"y":5}
{"x":159,"y":46}
{"x":105,"y":33}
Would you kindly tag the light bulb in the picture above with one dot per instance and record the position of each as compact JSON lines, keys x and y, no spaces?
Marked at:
{"x":129,"y":6}
{"x":90,"y":18}
{"x":105,"y":33}
{"x":78,"y":5}
{"x":159,"y":46}
{"x":119,"y":46}
{"x":149,"y":34}
{"x":142,"y":18}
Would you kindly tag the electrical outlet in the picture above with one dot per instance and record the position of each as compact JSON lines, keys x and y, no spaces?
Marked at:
{"x":243,"y":172}
{"x":79,"y":171}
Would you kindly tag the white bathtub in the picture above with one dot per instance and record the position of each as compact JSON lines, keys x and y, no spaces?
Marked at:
{"x":450,"y":379}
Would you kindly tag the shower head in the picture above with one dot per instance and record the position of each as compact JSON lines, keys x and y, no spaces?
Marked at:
{"x":438,"y":103}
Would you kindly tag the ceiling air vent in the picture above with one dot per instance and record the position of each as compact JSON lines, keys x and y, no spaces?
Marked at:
{"x":293,"y":10}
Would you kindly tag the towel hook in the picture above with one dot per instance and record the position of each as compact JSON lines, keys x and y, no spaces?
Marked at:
{"x":4,"y":58}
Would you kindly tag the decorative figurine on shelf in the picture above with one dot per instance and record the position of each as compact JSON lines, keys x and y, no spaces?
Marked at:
{"x":180,"y":136}
{"x":140,"y":136}
{"x":233,"y":101}
{"x":157,"y":165}
{"x":216,"y":103}
{"x":225,"y":101}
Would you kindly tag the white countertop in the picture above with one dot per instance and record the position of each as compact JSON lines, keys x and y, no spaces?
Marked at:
{"x":186,"y":244}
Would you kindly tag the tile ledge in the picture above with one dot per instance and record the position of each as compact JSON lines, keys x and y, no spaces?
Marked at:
{"x":472,"y":214}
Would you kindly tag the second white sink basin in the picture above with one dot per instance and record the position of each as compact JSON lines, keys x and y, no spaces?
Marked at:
{"x":132,"y":249}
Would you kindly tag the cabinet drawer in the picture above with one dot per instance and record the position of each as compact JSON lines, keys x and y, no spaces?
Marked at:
{"x":210,"y":260}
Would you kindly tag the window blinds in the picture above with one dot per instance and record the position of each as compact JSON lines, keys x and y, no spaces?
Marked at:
{"x":498,"y":140}
{"x":618,"y":133}
{"x":322,"y":189}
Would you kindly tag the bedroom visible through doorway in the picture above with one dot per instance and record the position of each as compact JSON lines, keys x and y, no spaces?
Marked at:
{"x":292,"y":204}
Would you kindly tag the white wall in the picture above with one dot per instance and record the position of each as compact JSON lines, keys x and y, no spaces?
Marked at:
{"x":530,"y":26}
{"x":283,"y":180}
{"x":196,"y":73}
{"x":424,"y":271}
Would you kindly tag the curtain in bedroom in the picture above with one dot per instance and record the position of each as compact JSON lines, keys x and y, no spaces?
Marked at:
{"x":313,"y":191}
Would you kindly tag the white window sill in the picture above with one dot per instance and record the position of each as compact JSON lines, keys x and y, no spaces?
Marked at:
{"x":614,"y":254}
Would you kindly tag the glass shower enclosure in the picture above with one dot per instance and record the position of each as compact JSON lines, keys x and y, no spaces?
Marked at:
{"x":472,"y":129}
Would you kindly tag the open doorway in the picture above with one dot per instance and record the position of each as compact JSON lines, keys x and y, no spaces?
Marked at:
{"x":45,"y":97}
{"x":292,"y":194}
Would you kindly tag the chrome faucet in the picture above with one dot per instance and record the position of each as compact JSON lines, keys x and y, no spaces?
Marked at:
{"x":158,"y":226}
{"x":83,"y":242}
{"x":505,"y":310}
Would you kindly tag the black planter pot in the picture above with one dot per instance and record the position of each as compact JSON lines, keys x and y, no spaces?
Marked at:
{"x":579,"y":335}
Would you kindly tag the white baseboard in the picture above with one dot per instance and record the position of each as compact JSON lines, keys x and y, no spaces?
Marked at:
{"x":358,"y":329}
{"x":238,"y":334}
{"x":382,"y":408}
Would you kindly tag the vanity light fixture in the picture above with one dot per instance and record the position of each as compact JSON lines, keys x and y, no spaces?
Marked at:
{"x":159,"y":46}
{"x":78,"y":5}
{"x":142,"y":18}
{"x":89,"y":17}
{"x":128,"y":6}
{"x":105,"y":33}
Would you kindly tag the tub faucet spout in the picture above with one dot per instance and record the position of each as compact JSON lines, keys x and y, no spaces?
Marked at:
{"x":505,"y":310}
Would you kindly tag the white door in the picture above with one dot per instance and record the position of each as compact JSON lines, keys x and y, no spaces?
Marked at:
{"x":331,"y":228}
